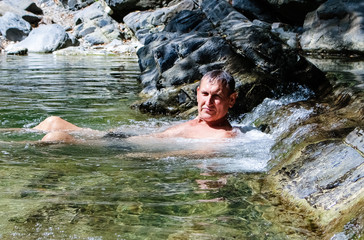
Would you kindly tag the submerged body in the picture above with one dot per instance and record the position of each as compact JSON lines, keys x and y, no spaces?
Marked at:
{"x":215,"y":96}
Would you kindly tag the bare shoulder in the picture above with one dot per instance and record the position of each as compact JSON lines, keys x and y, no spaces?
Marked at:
{"x":177,"y":130}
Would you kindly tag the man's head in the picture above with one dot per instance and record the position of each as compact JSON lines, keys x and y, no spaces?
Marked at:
{"x":215,"y":95}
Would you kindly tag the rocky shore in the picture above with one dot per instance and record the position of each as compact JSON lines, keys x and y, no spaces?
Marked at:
{"x":318,"y":164}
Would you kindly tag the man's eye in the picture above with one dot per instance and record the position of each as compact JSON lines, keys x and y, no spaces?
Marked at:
{"x":217,"y":96}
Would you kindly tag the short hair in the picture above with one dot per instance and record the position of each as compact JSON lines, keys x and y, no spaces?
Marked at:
{"x":220,"y":76}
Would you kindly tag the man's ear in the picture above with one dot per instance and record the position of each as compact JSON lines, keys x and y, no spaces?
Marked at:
{"x":232,"y":99}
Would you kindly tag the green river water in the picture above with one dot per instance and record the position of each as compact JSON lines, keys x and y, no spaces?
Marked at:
{"x":114,"y":188}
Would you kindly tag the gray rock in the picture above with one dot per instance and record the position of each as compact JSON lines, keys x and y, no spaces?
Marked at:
{"x":94,"y":11}
{"x":356,"y":139}
{"x":144,"y":23}
{"x":265,"y":50}
{"x":336,"y":26}
{"x":287,"y":34}
{"x":18,"y":51}
{"x":13,"y":27}
{"x":96,"y":26}
{"x":45,"y":39}
{"x":9,"y":6}
{"x":327,"y":175}
{"x":26,"y":5}
{"x":77,"y":4}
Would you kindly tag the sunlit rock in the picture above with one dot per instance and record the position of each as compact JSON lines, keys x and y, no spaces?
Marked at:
{"x":45,"y":39}
{"x":336,"y":27}
{"x":13,"y":27}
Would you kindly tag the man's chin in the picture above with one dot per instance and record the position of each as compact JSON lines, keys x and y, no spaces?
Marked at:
{"x":207,"y":117}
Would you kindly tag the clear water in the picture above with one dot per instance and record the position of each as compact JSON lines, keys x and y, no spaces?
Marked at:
{"x":116,"y":188}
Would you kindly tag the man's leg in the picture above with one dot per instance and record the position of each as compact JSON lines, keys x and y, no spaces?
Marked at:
{"x":54,"y":123}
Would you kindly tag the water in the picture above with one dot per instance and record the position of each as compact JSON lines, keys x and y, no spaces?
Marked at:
{"x":121,"y":189}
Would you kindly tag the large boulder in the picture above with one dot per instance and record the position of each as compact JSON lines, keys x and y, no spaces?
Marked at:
{"x":45,"y":39}
{"x":317,"y":162}
{"x":336,"y":26}
{"x":13,"y":27}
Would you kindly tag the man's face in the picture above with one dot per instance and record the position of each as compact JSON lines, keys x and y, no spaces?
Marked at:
{"x":213,"y":100}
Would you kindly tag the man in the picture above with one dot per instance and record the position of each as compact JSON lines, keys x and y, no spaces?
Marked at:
{"x":215,"y":96}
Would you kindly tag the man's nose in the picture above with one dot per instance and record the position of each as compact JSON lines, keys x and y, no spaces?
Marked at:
{"x":209,"y":99}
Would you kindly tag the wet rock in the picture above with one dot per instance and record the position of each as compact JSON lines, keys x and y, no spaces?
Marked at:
{"x":328,"y":175}
{"x":18,"y":51}
{"x":45,"y":39}
{"x":356,"y":139}
{"x":170,"y":101}
{"x":13,"y":27}
{"x":336,"y":26}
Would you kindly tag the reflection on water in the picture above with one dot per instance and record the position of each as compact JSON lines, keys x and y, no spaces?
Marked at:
{"x":117,"y":188}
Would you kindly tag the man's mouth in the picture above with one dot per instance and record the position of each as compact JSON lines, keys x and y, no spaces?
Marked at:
{"x":207,"y":109}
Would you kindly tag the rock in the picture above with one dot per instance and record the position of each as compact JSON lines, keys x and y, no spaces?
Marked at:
{"x":170,"y":101}
{"x":123,"y":7}
{"x":336,"y":26}
{"x":18,"y":51}
{"x":329,"y":177}
{"x":268,"y":53}
{"x":26,"y":5}
{"x":287,"y":34}
{"x":292,"y":11}
{"x":96,"y":26}
{"x":10,"y":6}
{"x":77,"y":4}
{"x":356,"y":139}
{"x":144,"y":23}
{"x":255,"y":10}
{"x":13,"y":27}
{"x":45,"y":39}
